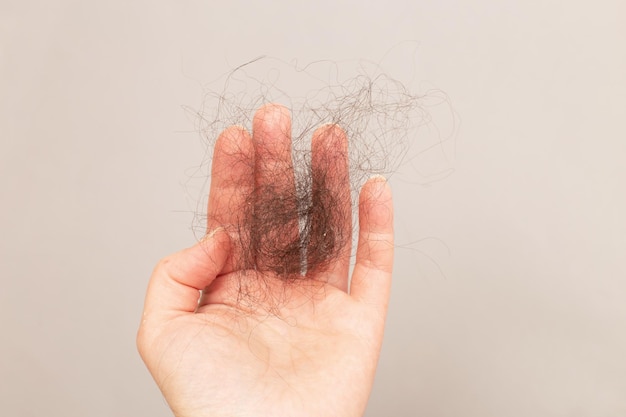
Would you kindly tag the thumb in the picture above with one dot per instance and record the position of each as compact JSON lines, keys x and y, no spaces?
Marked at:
{"x":177,"y":280}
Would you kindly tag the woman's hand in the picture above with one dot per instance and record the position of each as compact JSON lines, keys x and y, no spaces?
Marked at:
{"x":225,"y":339}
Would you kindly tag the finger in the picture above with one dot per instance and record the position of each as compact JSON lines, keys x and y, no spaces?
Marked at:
{"x":177,"y":280}
{"x":232,"y":184}
{"x":371,"y":278}
{"x":275,"y":237}
{"x":330,"y":221}
{"x":271,"y":130}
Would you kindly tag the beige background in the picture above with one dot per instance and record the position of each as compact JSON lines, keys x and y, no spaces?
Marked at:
{"x":527,"y":315}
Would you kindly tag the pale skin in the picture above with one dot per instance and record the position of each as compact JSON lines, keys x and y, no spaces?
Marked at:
{"x":308,"y":348}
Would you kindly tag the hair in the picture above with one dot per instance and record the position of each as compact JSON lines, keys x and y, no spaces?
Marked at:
{"x":381,"y":118}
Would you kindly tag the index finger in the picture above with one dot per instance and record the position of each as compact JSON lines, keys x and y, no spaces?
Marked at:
{"x":232,"y":184}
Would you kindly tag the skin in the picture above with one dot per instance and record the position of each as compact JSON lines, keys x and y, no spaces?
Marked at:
{"x":307,"y":348}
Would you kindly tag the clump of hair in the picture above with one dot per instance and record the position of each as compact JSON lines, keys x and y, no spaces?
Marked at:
{"x":293,"y":231}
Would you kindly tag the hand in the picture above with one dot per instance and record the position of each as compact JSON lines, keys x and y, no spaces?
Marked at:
{"x":254,"y":344}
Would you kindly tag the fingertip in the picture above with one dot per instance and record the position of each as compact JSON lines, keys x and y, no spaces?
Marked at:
{"x":234,"y":140}
{"x":216,"y":243}
{"x":375,"y":204}
{"x":272,"y":114}
{"x":329,"y":132}
{"x":197,"y":265}
{"x":377,"y":178}
{"x":176,"y":281}
{"x":375,"y":183}
{"x":234,"y":131}
{"x":329,"y":139}
{"x":211,"y":234}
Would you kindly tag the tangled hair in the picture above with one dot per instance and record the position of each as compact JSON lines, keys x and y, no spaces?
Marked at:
{"x":293,"y":230}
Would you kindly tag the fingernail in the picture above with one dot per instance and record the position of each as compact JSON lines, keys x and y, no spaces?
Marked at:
{"x":377,"y":185}
{"x":211,"y":234}
{"x":378,"y":178}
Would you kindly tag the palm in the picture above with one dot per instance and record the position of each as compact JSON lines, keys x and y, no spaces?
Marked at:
{"x":282,"y":349}
{"x":299,"y":360}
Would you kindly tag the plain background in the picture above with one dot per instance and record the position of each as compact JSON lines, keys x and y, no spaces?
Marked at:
{"x":511,"y":303}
